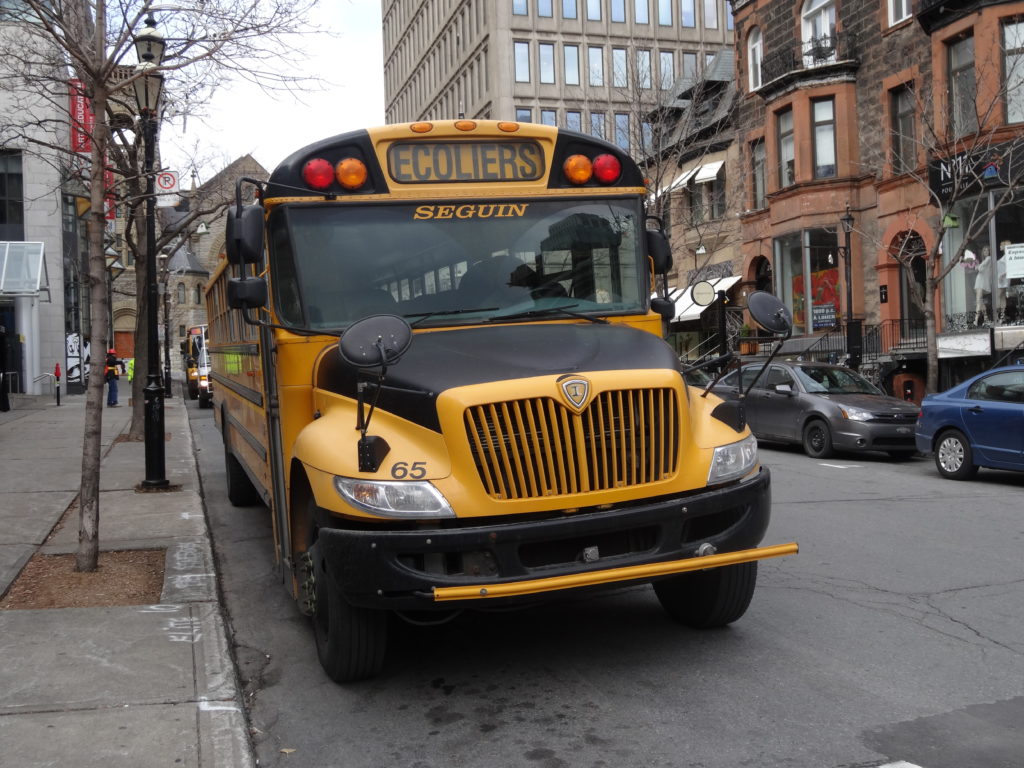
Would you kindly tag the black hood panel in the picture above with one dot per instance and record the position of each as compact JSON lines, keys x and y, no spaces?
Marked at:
{"x":445,"y":359}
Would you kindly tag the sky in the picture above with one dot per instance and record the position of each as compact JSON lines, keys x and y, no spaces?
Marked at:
{"x":270,"y":126}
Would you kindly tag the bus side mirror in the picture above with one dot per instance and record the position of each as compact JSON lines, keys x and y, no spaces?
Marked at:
{"x":244,"y":235}
{"x":247,"y":293}
{"x":660,"y":251}
{"x":665,"y":308}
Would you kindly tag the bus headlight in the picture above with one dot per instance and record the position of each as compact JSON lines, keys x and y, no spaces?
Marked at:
{"x":733,"y":461}
{"x":396,"y":499}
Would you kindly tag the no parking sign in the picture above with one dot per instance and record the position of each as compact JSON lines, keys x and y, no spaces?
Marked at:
{"x":166,"y":186}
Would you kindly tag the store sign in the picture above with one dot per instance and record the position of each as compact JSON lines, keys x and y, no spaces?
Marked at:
{"x":970,"y":344}
{"x":968,"y":173}
{"x":823,"y":316}
{"x":1013,"y":259}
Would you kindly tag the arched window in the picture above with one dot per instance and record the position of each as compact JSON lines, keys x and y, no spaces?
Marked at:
{"x":197,"y":295}
{"x":755,"y":54}
{"x":819,"y":31}
{"x":181,"y":293}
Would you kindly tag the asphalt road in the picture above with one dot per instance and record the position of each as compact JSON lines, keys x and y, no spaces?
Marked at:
{"x":895,"y":637}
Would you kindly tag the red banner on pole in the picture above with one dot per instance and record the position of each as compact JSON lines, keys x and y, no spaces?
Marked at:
{"x":81,"y":117}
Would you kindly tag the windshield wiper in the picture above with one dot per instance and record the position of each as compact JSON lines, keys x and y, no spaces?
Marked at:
{"x":424,"y":315}
{"x":562,"y":310}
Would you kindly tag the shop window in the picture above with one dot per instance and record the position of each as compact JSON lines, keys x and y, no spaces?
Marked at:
{"x":904,"y":137}
{"x":824,"y":116}
{"x":807,"y":265}
{"x":571,"y":56}
{"x":755,"y":55}
{"x":786,"y":147}
{"x":522,"y":62}
{"x":963,"y":92}
{"x":1013,"y":70}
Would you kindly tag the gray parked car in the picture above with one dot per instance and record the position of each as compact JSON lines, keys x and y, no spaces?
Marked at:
{"x":825,"y":408}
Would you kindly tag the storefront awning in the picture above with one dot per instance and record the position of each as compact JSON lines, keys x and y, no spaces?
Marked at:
{"x":686,"y":309}
{"x":22,"y":269}
{"x":708,"y":172}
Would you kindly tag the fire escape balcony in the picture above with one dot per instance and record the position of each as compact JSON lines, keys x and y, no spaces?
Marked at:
{"x":828,"y":56}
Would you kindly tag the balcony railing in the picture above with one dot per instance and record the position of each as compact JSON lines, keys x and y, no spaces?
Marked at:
{"x":812,"y":54}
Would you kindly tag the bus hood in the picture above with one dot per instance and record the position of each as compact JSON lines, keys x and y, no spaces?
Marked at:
{"x":440,"y":360}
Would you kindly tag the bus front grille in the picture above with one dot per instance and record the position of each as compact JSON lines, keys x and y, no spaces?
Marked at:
{"x":537,"y":447}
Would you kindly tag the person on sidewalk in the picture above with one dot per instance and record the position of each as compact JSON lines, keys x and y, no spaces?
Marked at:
{"x":110,"y":373}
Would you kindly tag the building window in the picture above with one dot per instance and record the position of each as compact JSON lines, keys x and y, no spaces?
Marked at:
{"x":823,"y":115}
{"x":547,"y":117}
{"x":593,"y":10}
{"x":667,"y":69}
{"x":690,"y":66}
{"x":522,"y":56}
{"x":1013,"y":69}
{"x":618,"y":11}
{"x":904,"y":148}
{"x":595,"y":65}
{"x":665,"y":13}
{"x":524,"y":115}
{"x":647,"y":137}
{"x":597,"y":124}
{"x":755,"y":54}
{"x":819,"y":31}
{"x":546,"y":54}
{"x":622,"y":131}
{"x":12,"y":199}
{"x":571,"y":54}
{"x":568,"y":9}
{"x":181,"y":331}
{"x":643,"y":68}
{"x":181,"y":294}
{"x":620,"y":73}
{"x":787,"y":158}
{"x":757,"y":172}
{"x":711,"y":14}
{"x":899,"y":10}
{"x":641,"y":12}
{"x":729,"y":23}
{"x":544,"y":8}
{"x":963,"y":114}
{"x":197,"y":295}
{"x":574,"y":121}
{"x":687,"y":13}
{"x":519,"y":8}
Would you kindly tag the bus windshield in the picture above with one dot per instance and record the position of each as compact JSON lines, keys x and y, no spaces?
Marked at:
{"x":452,"y":262}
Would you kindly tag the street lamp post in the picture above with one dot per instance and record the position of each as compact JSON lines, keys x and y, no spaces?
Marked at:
{"x":149,"y":46}
{"x":854,"y":339}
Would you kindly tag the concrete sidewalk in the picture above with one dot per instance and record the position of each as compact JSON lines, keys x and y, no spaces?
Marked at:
{"x":125,"y":686}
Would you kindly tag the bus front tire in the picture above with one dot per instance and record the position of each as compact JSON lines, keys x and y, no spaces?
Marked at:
{"x":708,"y":599}
{"x":350,"y":641}
{"x":241,"y":491}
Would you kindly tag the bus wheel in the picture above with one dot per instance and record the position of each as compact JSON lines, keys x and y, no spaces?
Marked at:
{"x":241,"y":491}
{"x":350,"y":641}
{"x":193,"y":391}
{"x":708,"y":599}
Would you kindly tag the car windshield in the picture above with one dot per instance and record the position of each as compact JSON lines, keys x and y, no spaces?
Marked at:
{"x":468,"y":262}
{"x":834,"y":381}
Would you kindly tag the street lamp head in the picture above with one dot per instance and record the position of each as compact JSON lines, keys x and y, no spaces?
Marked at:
{"x":148,"y":85}
{"x":149,"y":44}
{"x":847,"y":221}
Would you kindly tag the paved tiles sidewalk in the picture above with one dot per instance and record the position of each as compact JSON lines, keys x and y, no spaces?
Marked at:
{"x":123,"y":686}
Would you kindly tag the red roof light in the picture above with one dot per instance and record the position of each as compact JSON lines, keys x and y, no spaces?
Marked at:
{"x":607,"y":168}
{"x":318,"y":173}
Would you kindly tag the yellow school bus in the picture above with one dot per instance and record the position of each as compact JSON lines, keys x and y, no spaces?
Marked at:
{"x":439,"y":363}
{"x":198,"y":384}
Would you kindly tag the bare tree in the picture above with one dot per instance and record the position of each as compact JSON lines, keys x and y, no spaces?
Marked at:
{"x":969,"y":165}
{"x":208,"y":42}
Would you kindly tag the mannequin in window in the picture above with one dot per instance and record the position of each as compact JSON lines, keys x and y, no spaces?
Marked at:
{"x":983,"y":285}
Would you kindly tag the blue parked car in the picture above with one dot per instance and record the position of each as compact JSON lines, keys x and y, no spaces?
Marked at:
{"x":979,"y":423}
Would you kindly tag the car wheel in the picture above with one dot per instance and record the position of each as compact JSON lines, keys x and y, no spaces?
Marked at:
{"x":953,"y":456}
{"x":350,"y":641}
{"x":817,"y":439}
{"x":708,"y":599}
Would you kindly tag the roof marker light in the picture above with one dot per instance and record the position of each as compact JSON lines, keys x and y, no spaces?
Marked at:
{"x":508,"y":127}
{"x":465,"y":125}
{"x":607,"y":168}
{"x":578,"y":169}
{"x":318,"y":173}
{"x":421,"y":127}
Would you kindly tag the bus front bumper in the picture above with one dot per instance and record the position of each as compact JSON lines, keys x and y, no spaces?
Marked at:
{"x":446,"y":568}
